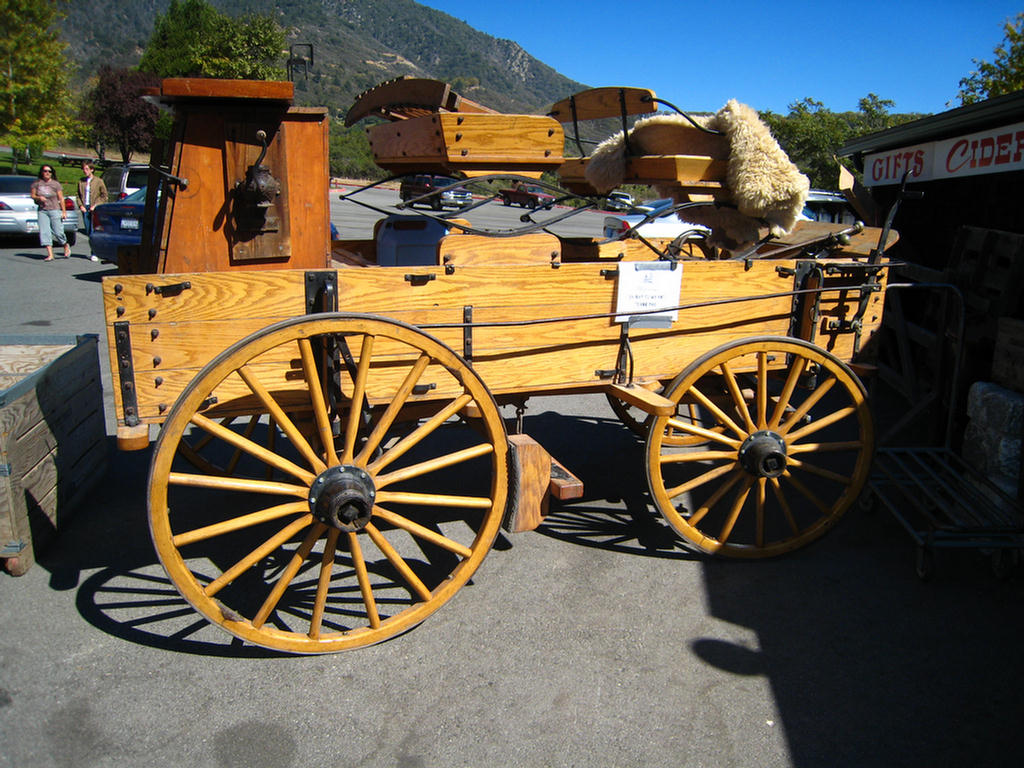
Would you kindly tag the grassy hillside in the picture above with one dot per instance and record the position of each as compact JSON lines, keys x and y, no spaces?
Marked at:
{"x":357,"y":44}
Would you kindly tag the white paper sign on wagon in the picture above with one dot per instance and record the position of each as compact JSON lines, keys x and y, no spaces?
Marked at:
{"x":644,"y":286}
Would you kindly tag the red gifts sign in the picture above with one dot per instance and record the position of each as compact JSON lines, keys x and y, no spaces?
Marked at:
{"x":996,"y":150}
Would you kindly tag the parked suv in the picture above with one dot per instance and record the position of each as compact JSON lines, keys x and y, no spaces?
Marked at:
{"x":122,"y":180}
{"x":423,"y":184}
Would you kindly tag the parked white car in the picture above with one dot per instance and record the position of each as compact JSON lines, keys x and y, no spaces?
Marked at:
{"x":827,"y":206}
{"x":619,"y":201}
{"x":19,"y":214}
{"x":665,"y":226}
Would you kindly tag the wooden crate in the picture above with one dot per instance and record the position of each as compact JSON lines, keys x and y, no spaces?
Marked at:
{"x":52,"y":438}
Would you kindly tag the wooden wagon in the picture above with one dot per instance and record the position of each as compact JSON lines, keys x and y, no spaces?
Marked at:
{"x":333,"y":461}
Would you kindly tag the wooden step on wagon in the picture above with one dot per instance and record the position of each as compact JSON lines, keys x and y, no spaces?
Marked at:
{"x":333,"y":462}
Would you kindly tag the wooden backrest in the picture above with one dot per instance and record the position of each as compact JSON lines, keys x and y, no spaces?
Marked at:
{"x":597,"y":103}
{"x":472,"y":144}
{"x":406,"y":97}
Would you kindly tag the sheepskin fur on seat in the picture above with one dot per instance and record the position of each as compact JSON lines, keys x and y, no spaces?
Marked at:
{"x":765,"y":187}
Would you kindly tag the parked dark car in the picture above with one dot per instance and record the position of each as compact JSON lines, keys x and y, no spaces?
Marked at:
{"x":526,"y":196}
{"x":19,"y":214}
{"x":424,"y":184}
{"x":117,"y":224}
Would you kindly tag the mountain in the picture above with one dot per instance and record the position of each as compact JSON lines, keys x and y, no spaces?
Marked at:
{"x":356,"y":44}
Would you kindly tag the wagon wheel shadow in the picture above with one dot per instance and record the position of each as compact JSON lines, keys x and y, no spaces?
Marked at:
{"x":106,"y":556}
{"x":616,"y":512}
{"x":143,"y":607}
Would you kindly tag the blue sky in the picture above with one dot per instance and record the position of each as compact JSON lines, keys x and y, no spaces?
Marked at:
{"x":768,"y":55}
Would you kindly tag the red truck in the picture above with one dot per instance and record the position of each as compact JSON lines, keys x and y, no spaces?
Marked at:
{"x":526,"y":196}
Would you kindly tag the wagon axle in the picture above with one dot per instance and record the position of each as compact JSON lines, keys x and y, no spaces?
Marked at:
{"x":763,"y":454}
{"x":342,"y":497}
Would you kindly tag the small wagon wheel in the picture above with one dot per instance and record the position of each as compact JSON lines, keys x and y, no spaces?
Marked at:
{"x":342,"y":534}
{"x":786,"y":444}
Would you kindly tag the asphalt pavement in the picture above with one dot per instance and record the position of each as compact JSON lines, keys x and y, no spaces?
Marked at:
{"x":597,"y":640}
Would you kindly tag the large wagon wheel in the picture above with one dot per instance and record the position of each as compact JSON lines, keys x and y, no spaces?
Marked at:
{"x":785,"y":447}
{"x":360,"y":532}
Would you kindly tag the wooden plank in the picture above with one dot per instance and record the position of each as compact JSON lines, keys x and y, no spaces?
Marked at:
{"x":597,"y":103}
{"x":275,"y":294}
{"x":564,"y":484}
{"x":175,"y":89}
{"x":644,"y":399}
{"x":699,"y":173}
{"x":460,"y":250}
{"x":52,"y":448}
{"x":20,"y":360}
{"x":469,"y":143}
{"x":530,"y":475}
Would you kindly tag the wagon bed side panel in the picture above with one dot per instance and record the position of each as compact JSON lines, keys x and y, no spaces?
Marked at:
{"x":175,"y":330}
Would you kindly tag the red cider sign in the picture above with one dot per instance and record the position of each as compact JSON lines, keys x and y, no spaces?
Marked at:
{"x":996,"y":150}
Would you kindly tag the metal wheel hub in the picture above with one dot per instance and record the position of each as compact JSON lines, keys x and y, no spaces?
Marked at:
{"x":763,"y":454}
{"x":342,"y":497}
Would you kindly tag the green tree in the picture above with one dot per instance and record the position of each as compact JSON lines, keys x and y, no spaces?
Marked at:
{"x":1005,"y":74}
{"x":193,"y":39}
{"x":34,"y":99}
{"x":115,"y":112}
{"x":811,"y":134}
{"x":349,"y":154}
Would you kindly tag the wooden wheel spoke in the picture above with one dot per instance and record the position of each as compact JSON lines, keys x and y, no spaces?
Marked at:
{"x":319,"y":403}
{"x":674,"y":458}
{"x":815,"y":470}
{"x":716,"y":497}
{"x":365,"y":588}
{"x":434,"y":500}
{"x":797,"y":416}
{"x":237,"y":484}
{"x":239,"y":523}
{"x":433,"y":465}
{"x":422,"y":532}
{"x":737,"y":395}
{"x":806,"y":493}
{"x":762,"y":390}
{"x":718,"y":413}
{"x":256,"y":555}
{"x":762,"y":492}
{"x":734,"y":511}
{"x":394,"y":407}
{"x":422,"y":431}
{"x":286,"y":577}
{"x":253,"y":449}
{"x":707,"y":434}
{"x":282,"y":419}
{"x":323,"y":583}
{"x":784,"y":504}
{"x":358,"y":393}
{"x":821,"y":423}
{"x":398,"y":562}
{"x":698,"y":481}
{"x":796,"y":370}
